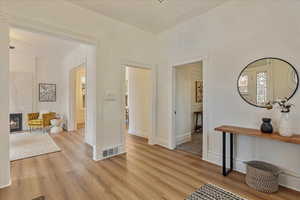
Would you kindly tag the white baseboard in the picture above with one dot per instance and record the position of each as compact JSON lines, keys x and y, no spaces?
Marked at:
{"x":139,"y":133}
{"x":99,"y":156}
{"x":287,"y":179}
{"x":162,"y":142}
{"x":88,"y":143}
{"x":151,"y":141}
{"x":6,"y":185}
{"x":183,"y":138}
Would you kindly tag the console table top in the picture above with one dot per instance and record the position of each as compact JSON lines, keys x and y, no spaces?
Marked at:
{"x":257,"y":133}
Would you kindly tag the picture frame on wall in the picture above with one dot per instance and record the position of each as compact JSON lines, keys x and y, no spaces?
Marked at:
{"x":199,"y":91}
{"x":47,"y":92}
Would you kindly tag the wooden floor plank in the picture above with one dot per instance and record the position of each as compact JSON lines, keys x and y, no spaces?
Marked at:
{"x":145,"y":172}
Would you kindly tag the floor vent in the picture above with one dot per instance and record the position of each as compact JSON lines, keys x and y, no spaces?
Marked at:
{"x":110,"y":152}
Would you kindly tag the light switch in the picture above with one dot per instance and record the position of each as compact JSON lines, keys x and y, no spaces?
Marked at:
{"x":110,"y":96}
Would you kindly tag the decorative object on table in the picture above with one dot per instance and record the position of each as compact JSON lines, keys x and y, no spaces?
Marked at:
{"x":199,"y":91}
{"x":47,"y":92}
{"x":285,"y":108}
{"x":255,"y":82}
{"x":266,"y":126}
{"x":212,"y":192}
{"x":262,"y":176}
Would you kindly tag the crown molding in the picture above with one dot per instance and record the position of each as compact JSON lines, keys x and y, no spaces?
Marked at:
{"x":3,"y":14}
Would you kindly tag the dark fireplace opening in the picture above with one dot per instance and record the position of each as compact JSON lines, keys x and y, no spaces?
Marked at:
{"x":15,"y":122}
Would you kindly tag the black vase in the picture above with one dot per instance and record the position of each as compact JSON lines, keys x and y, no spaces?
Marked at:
{"x":266,"y":126}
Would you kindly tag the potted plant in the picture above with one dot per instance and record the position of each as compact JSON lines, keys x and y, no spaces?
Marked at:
{"x":285,"y":108}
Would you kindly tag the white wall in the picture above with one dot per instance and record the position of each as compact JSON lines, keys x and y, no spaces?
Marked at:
{"x":139,"y":101}
{"x":4,"y":101}
{"x":48,"y":70}
{"x":228,"y":38}
{"x":22,"y":77}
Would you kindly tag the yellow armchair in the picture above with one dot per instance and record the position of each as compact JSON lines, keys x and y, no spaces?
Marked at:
{"x":35,"y":122}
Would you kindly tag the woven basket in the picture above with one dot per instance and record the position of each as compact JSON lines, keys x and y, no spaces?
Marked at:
{"x":262,"y":176}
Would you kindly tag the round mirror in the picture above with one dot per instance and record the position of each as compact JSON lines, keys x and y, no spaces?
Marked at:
{"x":267,"y":79}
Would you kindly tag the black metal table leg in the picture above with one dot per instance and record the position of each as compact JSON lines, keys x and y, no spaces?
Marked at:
{"x":224,"y":153}
{"x":225,"y":171}
{"x":231,"y":151}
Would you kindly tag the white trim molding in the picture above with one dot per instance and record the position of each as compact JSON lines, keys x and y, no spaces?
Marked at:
{"x":7,"y":185}
{"x":162,"y":142}
{"x":183,"y":138}
{"x":139,"y":133}
{"x":51,"y":29}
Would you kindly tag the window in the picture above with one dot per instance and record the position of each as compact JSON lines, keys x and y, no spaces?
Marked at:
{"x":243,"y":84}
{"x":261,"y":88}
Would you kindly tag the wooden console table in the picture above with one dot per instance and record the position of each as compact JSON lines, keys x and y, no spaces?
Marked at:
{"x":233,"y":130}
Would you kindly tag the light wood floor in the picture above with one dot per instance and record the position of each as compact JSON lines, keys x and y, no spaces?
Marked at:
{"x":146,"y":172}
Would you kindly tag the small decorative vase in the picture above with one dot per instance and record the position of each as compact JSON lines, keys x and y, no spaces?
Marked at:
{"x":266,"y":126}
{"x":284,"y":125}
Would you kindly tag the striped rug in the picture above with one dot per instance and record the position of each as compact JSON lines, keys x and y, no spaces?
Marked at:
{"x":211,"y":192}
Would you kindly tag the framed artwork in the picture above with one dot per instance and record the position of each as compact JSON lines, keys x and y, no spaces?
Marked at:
{"x":199,"y":91}
{"x":47,"y":92}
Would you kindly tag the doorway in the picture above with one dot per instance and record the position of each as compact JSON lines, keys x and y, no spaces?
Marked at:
{"x":40,"y":90}
{"x":139,"y":102}
{"x":79,"y":77}
{"x":188,"y":90}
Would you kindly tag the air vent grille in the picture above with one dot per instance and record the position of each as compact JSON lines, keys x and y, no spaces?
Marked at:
{"x":110,"y":152}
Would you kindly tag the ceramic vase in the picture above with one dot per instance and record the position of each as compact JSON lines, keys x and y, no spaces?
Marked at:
{"x":284,"y":125}
{"x":266,"y":126}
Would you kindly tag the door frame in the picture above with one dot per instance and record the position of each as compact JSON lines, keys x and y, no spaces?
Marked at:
{"x":205,"y":127}
{"x":153,"y":70}
{"x":73,"y":96}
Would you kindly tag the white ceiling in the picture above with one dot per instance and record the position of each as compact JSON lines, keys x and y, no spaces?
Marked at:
{"x":40,"y":44}
{"x":150,"y":15}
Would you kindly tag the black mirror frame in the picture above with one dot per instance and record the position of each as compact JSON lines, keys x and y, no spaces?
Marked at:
{"x":263,"y":59}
